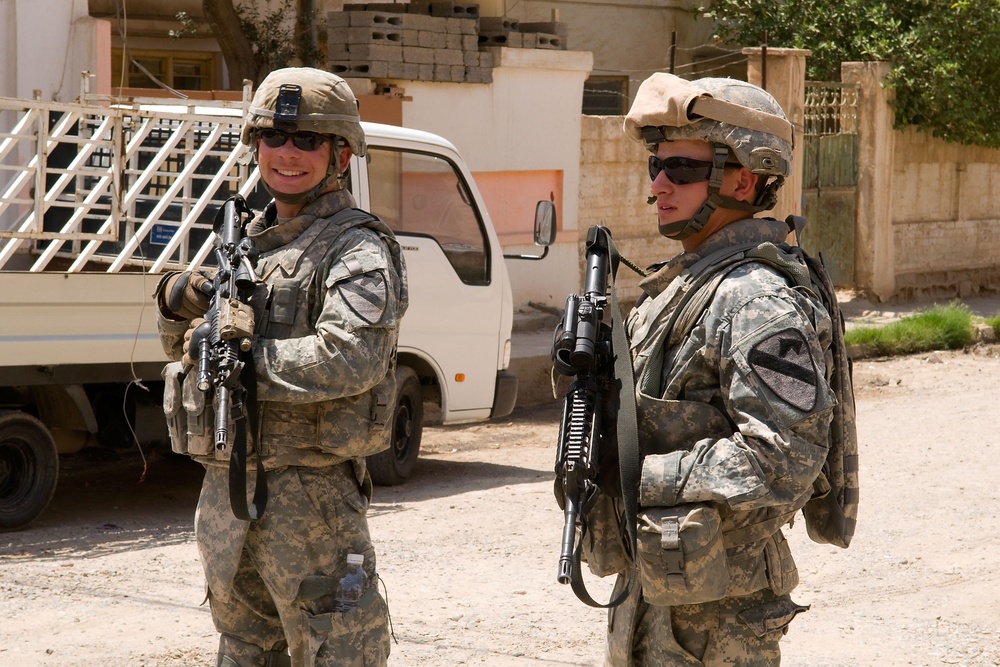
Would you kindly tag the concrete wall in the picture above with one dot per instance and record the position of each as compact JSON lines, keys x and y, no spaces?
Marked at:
{"x":945,"y":217}
{"x":525,"y":121}
{"x":928,"y":223}
{"x":627,"y":37}
{"x":46,"y":44}
{"x":613,"y":190}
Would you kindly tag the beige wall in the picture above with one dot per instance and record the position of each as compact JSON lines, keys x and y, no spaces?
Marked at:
{"x":613,"y":190}
{"x":45,"y":45}
{"x":627,"y":37}
{"x":945,"y":217}
{"x":526,"y":120}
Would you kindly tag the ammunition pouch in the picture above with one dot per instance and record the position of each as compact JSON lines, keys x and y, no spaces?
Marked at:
{"x":680,"y":550}
{"x":681,"y":555}
{"x":603,"y":543}
{"x":190,"y":415}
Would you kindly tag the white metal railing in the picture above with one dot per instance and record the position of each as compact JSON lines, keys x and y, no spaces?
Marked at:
{"x":106,"y":187}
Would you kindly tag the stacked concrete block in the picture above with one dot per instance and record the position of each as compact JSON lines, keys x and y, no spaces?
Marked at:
{"x":418,"y":41}
{"x":549,"y":35}
{"x":503,"y":31}
{"x":428,"y":41}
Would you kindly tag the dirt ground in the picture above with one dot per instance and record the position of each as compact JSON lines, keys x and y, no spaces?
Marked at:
{"x":468,"y":549}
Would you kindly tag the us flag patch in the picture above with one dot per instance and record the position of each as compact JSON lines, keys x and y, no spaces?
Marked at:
{"x":367,"y":295}
{"x":784,"y":364}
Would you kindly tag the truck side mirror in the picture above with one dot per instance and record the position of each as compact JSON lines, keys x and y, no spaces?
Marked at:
{"x":545,"y":229}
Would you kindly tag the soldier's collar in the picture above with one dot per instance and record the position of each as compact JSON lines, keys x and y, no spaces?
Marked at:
{"x":744,"y":231}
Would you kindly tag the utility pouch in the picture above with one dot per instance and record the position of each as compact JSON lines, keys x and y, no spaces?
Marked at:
{"x":603,"y":542}
{"x":173,"y":407}
{"x":190,"y":417}
{"x":681,"y":555}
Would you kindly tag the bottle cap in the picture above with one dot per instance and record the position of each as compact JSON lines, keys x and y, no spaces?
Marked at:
{"x":355,"y":559}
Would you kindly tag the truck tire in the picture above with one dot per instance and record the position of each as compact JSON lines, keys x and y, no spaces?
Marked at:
{"x":29,"y":469}
{"x":396,"y":464}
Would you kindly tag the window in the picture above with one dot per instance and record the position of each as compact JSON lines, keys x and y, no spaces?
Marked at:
{"x":425,"y":195}
{"x":605,"y":95}
{"x":182,"y":70}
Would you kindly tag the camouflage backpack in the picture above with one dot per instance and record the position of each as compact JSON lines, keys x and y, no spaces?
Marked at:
{"x":832,"y":511}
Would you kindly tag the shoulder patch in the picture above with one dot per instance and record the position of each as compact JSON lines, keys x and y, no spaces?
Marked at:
{"x":784,"y":364}
{"x":366,"y":294}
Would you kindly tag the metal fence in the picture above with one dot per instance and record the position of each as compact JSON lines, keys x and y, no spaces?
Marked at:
{"x":831,"y":108}
{"x":108,"y":187}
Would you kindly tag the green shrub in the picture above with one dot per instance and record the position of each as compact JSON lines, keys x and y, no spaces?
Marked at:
{"x":946,"y":67}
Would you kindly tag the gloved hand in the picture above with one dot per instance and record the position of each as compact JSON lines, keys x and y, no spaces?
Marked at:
{"x":184,"y":295}
{"x":192,"y":340}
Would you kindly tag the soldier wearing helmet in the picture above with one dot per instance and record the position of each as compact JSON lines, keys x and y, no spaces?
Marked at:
{"x":327,"y":308}
{"x":732,"y":364}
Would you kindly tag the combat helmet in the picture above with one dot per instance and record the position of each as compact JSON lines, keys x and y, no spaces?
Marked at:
{"x":734,"y":116}
{"x":305,"y":99}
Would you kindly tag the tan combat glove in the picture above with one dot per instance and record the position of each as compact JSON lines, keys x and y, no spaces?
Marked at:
{"x":183,"y":295}
{"x":195,"y":332}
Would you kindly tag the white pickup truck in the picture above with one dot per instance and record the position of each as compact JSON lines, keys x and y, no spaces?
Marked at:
{"x":96,"y":201}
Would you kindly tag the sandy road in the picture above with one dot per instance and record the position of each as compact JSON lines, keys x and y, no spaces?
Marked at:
{"x":468,"y":548}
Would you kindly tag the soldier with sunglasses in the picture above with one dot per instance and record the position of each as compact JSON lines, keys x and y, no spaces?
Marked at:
{"x":733,"y":395}
{"x":327,"y":308}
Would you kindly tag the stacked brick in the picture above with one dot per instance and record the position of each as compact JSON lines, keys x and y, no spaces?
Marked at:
{"x":427,"y":41}
{"x":418,"y":41}
{"x":503,"y":31}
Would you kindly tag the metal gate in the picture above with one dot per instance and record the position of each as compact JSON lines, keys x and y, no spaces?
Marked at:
{"x":830,"y":176}
{"x":100,"y":187}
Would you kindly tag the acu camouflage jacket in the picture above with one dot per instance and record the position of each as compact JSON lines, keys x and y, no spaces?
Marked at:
{"x":332,"y":292}
{"x":737,"y":413}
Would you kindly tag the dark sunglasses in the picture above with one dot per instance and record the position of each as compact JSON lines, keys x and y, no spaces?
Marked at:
{"x":304,"y":141}
{"x":680,"y":170}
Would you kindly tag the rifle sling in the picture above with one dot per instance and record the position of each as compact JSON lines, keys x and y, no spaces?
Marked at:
{"x":238,"y":457}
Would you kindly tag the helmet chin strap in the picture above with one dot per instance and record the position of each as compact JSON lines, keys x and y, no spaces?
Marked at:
{"x":764,"y":200}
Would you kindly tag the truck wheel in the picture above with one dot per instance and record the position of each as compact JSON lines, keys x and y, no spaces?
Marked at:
{"x":396,"y":464}
{"x":29,"y":468}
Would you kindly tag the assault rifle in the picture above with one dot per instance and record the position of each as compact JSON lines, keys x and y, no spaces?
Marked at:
{"x":582,"y":349}
{"x":220,"y":340}
{"x":597,"y":355}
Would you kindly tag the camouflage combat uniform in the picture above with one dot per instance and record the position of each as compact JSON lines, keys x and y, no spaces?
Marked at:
{"x":327,"y":315}
{"x":738,"y":418}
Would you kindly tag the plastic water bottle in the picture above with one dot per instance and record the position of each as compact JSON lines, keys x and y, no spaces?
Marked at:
{"x":351,"y":585}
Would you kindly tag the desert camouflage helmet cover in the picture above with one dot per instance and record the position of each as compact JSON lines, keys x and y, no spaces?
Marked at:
{"x":728,"y":111}
{"x":327,"y":105}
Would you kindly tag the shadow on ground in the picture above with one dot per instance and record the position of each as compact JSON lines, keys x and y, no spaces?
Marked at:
{"x":108,"y":506}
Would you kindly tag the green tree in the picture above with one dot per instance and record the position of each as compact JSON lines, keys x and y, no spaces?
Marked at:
{"x":946,"y":64}
{"x":255,"y":36}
